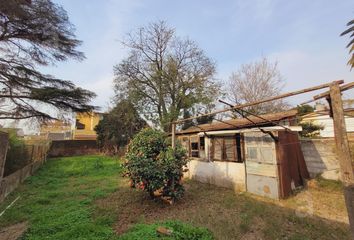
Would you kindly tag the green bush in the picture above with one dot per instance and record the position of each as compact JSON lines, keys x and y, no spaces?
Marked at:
{"x":152,"y":165}
{"x":17,"y":155}
{"x":310,"y":129}
{"x":179,"y":231}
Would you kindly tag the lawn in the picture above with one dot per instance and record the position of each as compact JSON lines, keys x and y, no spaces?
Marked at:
{"x":86,"y":198}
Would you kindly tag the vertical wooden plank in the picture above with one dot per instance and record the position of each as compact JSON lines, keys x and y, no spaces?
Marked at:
{"x":223,"y":150}
{"x":212,"y":149}
{"x":343,"y":150}
{"x":235,"y":149}
{"x":340,"y":135}
{"x":4,"y":141}
{"x":173,"y":135}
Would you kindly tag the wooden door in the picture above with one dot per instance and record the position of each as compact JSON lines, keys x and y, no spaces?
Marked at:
{"x":261,"y":165}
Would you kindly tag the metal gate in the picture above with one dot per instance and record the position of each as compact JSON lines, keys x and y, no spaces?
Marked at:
{"x":261,"y":165}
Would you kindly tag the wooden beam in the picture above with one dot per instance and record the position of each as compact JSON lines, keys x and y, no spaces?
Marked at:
{"x":173,"y":135}
{"x":343,"y":150}
{"x":264,"y":101}
{"x":342,"y":88}
{"x":255,"y":115}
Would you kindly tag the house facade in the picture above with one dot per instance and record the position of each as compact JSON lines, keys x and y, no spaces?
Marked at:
{"x":85,"y":125}
{"x":56,"y":130}
{"x":250,"y":154}
{"x":321,"y":116}
{"x":82,"y":128}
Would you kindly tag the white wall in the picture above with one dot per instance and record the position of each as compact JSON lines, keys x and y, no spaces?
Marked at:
{"x":327,"y":123}
{"x":224,"y":174}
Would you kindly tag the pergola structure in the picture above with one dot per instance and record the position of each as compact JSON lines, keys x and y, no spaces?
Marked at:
{"x":334,"y":97}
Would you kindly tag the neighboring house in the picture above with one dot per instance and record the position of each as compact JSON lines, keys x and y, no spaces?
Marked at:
{"x":85,"y":125}
{"x":82,"y":128}
{"x":56,"y":130}
{"x":241,"y":154}
{"x":321,"y":117}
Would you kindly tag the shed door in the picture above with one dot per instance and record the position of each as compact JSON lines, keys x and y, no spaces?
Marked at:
{"x":261,"y":165}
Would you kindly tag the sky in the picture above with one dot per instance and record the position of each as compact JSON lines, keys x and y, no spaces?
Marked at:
{"x":302,"y":36}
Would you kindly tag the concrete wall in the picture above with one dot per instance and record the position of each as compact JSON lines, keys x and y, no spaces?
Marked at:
{"x":11,"y":182}
{"x":321,"y":158}
{"x":66,"y":148}
{"x":37,"y":156}
{"x":224,"y":174}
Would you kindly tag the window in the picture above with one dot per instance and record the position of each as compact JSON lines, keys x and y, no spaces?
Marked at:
{"x":239,"y":147}
{"x":228,"y":148}
{"x":202,"y":143}
{"x":194,"y":146}
{"x":218,"y":147}
{"x":202,"y":147}
{"x":252,"y":153}
{"x":79,"y":125}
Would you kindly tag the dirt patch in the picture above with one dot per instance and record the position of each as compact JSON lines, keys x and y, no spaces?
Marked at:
{"x":226,"y":214}
{"x":255,"y":231}
{"x":200,"y":206}
{"x":13,"y":232}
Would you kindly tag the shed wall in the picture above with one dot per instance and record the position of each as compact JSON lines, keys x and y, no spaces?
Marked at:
{"x":224,"y":174}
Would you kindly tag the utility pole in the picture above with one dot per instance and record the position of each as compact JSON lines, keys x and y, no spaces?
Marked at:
{"x":343,"y":150}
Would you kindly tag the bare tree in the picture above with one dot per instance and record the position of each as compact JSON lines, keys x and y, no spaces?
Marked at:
{"x":164,"y":75}
{"x":256,"y":81}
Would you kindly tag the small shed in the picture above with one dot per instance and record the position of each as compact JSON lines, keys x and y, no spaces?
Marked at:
{"x":258,"y":154}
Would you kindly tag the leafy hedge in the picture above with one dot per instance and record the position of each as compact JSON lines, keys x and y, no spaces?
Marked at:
{"x":179,"y":231}
{"x":17,"y":155}
{"x":152,"y":165}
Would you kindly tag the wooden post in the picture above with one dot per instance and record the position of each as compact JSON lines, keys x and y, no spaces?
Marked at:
{"x":173,"y":135}
{"x":4,"y":142}
{"x":343,"y":150}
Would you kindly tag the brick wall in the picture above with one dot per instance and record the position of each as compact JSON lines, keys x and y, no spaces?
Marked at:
{"x":66,"y":148}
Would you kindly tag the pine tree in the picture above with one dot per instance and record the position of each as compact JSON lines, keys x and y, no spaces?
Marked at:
{"x":33,"y":34}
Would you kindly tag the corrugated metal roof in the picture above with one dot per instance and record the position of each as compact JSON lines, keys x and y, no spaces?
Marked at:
{"x":240,"y":122}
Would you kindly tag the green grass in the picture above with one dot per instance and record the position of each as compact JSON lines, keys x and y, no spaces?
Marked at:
{"x":180,"y":231}
{"x":86,"y":198}
{"x":58,"y":200}
{"x":330,"y":185}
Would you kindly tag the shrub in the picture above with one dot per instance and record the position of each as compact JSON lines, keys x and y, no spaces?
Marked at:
{"x":153,"y":166}
{"x":310,"y":129}
{"x":117,"y":127}
{"x":179,"y":231}
{"x":17,"y":154}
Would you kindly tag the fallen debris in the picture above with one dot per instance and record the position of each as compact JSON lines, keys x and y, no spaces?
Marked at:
{"x":164,"y":231}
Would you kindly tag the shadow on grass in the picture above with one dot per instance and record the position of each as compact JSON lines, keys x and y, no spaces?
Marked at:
{"x":228,"y":215}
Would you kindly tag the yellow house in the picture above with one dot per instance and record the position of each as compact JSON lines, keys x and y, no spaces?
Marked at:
{"x":85,"y":125}
{"x":55,"y":130}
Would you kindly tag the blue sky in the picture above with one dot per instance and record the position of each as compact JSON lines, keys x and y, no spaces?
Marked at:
{"x":303,"y":36}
